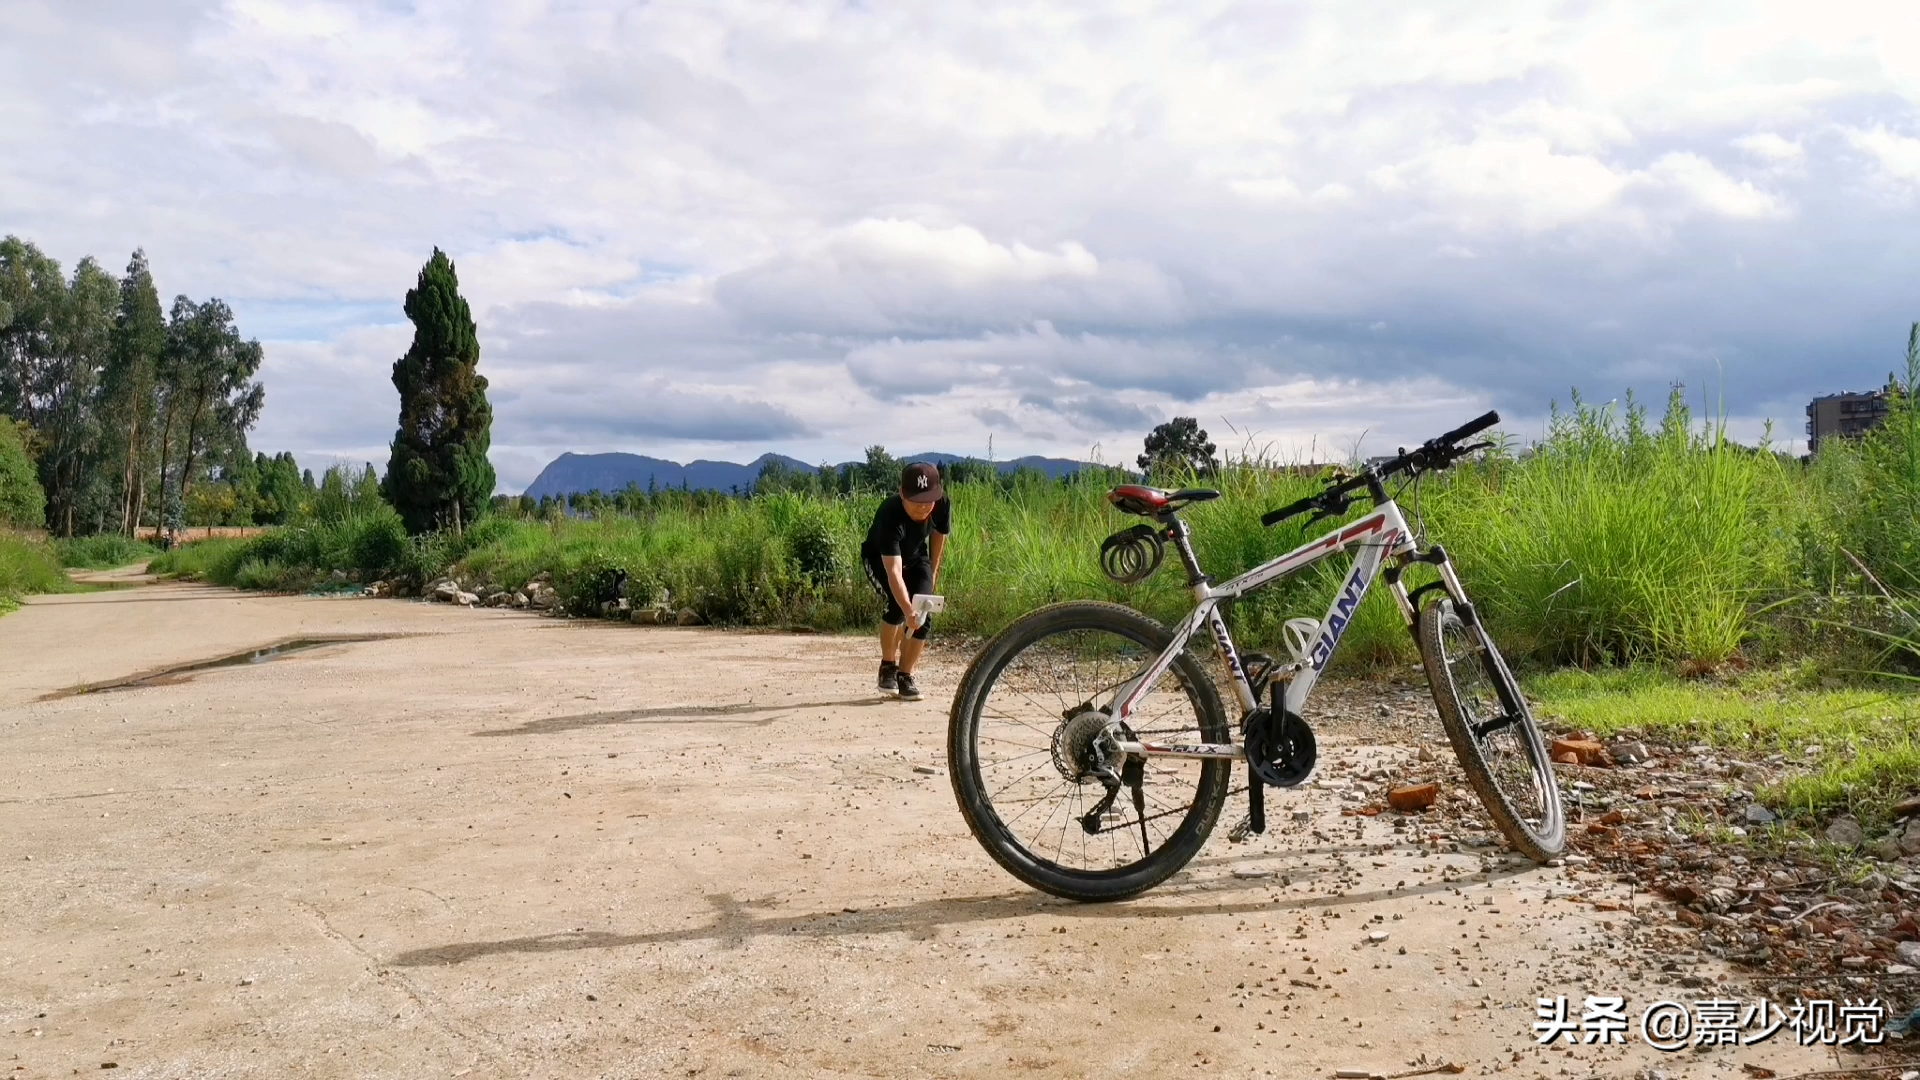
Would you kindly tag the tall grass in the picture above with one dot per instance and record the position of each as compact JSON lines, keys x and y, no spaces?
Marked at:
{"x":105,"y":551}
{"x":28,"y":565}
{"x":1614,"y":540}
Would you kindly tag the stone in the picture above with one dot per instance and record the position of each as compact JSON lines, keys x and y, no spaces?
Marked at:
{"x":688,"y":617}
{"x":1632,"y":752}
{"x":646,"y":617}
{"x":1907,"y":807}
{"x":444,"y":591}
{"x":519,"y":600}
{"x":1910,"y":837}
{"x":465,"y":599}
{"x":1887,"y":848}
{"x":1845,"y":832}
{"x":928,"y":770}
{"x":1427,"y":754}
{"x":1585,"y":751}
{"x":1759,"y":815}
{"x":1908,"y":952}
{"x":338,"y":577}
{"x":1412,"y":799}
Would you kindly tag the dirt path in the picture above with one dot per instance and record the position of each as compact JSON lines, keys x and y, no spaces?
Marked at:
{"x":503,"y":845}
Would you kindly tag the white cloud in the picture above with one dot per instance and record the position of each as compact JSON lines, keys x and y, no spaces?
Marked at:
{"x":1768,"y":146}
{"x":1896,"y":155}
{"x":818,"y":222}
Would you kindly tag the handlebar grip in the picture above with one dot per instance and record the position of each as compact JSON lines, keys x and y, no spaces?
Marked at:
{"x":1298,"y":506}
{"x":1471,"y":427}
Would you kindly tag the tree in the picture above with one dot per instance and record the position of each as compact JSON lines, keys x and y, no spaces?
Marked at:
{"x":1179,"y":445}
{"x":439,"y":475}
{"x":22,"y":503}
{"x":210,"y":399}
{"x":138,"y":339}
{"x":880,"y":472}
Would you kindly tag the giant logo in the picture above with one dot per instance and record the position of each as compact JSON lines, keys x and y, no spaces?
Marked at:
{"x":1337,"y":622}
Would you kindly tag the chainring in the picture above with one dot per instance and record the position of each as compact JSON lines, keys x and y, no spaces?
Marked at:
{"x":1280,"y":752}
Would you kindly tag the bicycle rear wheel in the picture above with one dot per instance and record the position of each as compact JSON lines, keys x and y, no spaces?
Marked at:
{"x":1020,"y":746}
{"x":1492,"y":731}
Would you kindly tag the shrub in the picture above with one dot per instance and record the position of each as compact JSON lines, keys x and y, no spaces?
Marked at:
{"x":27,"y":565}
{"x":22,"y":503}
{"x":104,"y":551}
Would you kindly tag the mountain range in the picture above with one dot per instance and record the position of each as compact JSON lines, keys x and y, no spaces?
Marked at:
{"x":570,"y":473}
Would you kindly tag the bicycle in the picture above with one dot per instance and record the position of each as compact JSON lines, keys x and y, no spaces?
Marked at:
{"x":1132,"y":710}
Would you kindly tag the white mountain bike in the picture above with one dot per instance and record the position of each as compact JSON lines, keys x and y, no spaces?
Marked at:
{"x":1079,"y":704}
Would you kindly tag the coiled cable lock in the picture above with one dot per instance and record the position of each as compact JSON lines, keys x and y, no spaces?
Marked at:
{"x":1130,"y":556}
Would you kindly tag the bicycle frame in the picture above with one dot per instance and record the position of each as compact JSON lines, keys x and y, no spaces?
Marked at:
{"x":1378,"y":536}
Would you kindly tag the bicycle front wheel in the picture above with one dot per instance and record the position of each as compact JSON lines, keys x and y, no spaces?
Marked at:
{"x":1492,"y":731}
{"x":1021,"y":749}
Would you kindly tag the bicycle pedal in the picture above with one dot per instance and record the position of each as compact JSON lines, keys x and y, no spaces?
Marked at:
{"x":1241,"y":832}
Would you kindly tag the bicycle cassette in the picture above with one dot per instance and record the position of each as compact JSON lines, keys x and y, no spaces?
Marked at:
{"x":1281,"y":753}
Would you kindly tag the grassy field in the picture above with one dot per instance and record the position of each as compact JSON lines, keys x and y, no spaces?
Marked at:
{"x":1614,"y":542}
{"x":28,"y":565}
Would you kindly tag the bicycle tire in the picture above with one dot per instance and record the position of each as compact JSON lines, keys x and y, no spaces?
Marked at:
{"x":991,"y":827}
{"x":1523,"y":757}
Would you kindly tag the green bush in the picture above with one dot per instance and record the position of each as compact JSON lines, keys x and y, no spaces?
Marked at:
{"x":105,"y":551}
{"x":22,"y":504}
{"x":28,"y":565}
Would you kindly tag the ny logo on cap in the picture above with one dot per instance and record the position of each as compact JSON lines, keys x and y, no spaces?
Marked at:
{"x":922,"y":481}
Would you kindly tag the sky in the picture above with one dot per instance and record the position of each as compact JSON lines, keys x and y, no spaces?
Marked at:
{"x":713,"y":229}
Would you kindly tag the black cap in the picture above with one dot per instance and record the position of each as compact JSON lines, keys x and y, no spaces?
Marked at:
{"x":920,"y":483}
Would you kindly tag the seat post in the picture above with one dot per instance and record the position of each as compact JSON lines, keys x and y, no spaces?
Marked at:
{"x":1183,"y":543}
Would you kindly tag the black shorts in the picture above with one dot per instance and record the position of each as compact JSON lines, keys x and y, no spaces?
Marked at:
{"x":919,"y":579}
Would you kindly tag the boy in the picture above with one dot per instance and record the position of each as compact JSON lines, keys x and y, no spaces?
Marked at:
{"x":901,"y":563}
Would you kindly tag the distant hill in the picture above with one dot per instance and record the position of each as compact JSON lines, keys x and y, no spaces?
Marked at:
{"x":571,"y":473}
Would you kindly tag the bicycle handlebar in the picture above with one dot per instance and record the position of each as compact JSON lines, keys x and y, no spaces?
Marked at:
{"x":1435,"y":453}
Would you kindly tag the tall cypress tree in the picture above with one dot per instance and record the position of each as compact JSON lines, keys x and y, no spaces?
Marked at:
{"x":439,"y":475}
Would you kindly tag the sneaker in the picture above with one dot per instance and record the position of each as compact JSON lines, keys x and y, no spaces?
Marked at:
{"x":888,"y":672}
{"x":908,"y":692}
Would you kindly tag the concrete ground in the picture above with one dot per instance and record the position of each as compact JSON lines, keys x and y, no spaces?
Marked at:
{"x":500,"y":845}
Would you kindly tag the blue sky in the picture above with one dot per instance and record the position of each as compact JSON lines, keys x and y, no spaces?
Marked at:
{"x":709,"y":229}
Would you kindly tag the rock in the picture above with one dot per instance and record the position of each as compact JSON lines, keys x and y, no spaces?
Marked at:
{"x":1632,"y":752}
{"x":1907,"y":807}
{"x":1908,"y":952}
{"x":488,"y":592}
{"x":688,"y":617}
{"x":519,"y":600}
{"x":1426,"y":754}
{"x":1759,"y":815}
{"x":1567,"y":758}
{"x":1411,"y":799}
{"x":465,"y":599}
{"x":1383,"y":709}
{"x":927,"y":770}
{"x":1585,"y":751}
{"x":338,"y":577}
{"x":1248,"y":873}
{"x":444,"y":591}
{"x":646,"y":616}
{"x":1910,"y":837}
{"x":1887,"y":848}
{"x":1378,"y":936}
{"x":1302,"y":817}
{"x":1845,"y":832}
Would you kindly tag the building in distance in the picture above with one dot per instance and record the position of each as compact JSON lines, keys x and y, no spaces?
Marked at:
{"x":1846,"y":414}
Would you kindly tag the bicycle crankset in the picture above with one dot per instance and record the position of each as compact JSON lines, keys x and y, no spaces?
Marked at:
{"x":1280,"y":751}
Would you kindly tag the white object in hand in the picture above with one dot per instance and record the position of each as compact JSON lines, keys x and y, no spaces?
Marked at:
{"x":925,"y":604}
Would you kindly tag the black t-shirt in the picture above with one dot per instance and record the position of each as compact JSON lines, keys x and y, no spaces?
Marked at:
{"x":894,"y":533}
